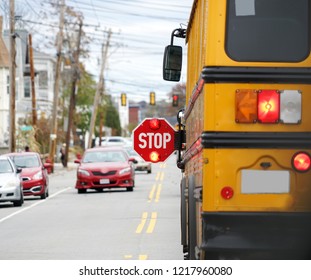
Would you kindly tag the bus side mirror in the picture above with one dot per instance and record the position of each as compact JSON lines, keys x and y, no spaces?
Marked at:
{"x":172,"y":62}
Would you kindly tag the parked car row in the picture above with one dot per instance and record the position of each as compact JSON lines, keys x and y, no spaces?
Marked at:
{"x":110,"y":166}
{"x":22,"y":174}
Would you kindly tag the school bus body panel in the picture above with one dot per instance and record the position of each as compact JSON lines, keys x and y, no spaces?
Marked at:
{"x":219,"y":108}
{"x":212,"y":13}
{"x":225,"y":170}
{"x":262,"y":214}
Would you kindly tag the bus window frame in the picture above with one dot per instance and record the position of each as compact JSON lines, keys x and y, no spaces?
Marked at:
{"x":240,"y":55}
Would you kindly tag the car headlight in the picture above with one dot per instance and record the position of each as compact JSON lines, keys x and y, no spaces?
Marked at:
{"x":83,"y":172}
{"x":11,"y":183}
{"x":38,"y":175}
{"x":125,"y":170}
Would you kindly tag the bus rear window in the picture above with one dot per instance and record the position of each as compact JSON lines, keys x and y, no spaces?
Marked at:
{"x":268,"y":30}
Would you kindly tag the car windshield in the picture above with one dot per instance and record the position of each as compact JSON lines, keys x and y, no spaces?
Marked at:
{"x":5,"y":166}
{"x":104,"y":156}
{"x":28,"y":161}
{"x":131,"y":152}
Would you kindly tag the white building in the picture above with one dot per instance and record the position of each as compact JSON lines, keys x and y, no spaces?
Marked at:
{"x":44,"y":66}
{"x":45,"y":79}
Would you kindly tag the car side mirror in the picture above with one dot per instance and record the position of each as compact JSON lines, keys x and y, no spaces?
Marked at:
{"x":133,"y":160}
{"x":172,"y":62}
{"x":19,"y":170}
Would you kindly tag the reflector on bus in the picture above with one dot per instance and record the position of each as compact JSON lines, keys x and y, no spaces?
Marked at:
{"x":290,"y":106}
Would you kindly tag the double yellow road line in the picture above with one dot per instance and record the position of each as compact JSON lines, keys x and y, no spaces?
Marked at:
{"x":143,"y":221}
{"x":154,"y":195}
{"x":148,"y":220}
{"x":156,"y":188}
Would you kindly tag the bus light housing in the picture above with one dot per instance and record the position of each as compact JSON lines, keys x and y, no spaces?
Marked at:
{"x":290,"y":106}
{"x":246,"y":106}
{"x":268,"y":106}
{"x":301,"y":162}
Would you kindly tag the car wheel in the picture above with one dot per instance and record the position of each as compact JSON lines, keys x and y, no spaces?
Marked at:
{"x":149,"y":171}
{"x":45,"y":194}
{"x":18,"y":203}
{"x":81,"y":190}
{"x":130,"y":189}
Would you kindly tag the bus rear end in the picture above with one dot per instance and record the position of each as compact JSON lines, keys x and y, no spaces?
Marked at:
{"x":248,"y":123}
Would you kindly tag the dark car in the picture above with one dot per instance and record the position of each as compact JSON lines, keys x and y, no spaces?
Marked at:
{"x":34,"y":174}
{"x":105,"y":167}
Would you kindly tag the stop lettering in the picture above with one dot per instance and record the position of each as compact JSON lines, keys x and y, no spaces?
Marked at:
{"x":152,"y":140}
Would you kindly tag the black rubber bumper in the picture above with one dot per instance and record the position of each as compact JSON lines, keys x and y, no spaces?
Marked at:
{"x":261,"y":235}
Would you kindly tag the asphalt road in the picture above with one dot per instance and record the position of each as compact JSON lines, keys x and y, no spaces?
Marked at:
{"x":112,"y":225}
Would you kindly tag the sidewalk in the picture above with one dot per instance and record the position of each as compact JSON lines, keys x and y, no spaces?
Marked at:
{"x":58,"y":167}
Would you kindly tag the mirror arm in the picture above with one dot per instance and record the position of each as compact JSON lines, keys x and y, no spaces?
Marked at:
{"x":179,"y":33}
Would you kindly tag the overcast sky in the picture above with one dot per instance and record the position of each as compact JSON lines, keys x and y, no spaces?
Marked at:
{"x":140,"y":31}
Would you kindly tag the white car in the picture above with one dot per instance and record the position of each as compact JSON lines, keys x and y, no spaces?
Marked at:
{"x":141,"y":164}
{"x":112,"y":141}
{"x":11,"y":189}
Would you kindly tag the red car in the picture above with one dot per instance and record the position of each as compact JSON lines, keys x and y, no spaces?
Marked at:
{"x":34,"y":174}
{"x":105,"y":167}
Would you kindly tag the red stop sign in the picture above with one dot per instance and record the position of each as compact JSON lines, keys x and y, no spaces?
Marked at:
{"x":154,"y":139}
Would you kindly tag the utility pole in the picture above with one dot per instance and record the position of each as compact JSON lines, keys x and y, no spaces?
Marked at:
{"x":32,"y":79}
{"x":53,"y":135}
{"x":74,"y":91}
{"x":99,"y":89}
{"x":12,"y":144}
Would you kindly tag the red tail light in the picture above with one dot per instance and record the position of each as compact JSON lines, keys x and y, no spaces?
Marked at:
{"x":227,"y":192}
{"x":301,"y":162}
{"x":268,"y":106}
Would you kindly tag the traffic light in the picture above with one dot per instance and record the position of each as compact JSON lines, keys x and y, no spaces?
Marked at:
{"x":123,"y":99}
{"x":175,"y":100}
{"x":152,"y":98}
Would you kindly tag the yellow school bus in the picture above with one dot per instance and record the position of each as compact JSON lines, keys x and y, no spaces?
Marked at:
{"x":246,"y":185}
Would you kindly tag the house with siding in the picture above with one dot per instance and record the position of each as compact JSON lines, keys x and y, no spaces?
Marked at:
{"x":44,"y":65}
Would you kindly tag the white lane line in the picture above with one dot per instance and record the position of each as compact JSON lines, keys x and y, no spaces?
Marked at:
{"x":32,"y":205}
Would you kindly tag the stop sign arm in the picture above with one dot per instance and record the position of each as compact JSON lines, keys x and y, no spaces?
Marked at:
{"x":180,"y":142}
{"x":154,"y":139}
